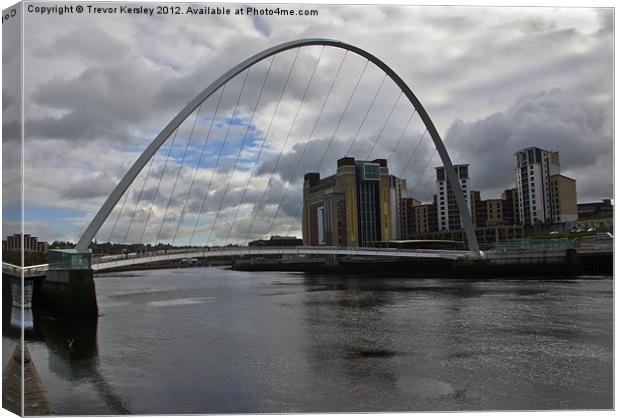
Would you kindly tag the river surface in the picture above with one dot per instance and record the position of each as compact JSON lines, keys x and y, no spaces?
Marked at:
{"x":210,"y":340}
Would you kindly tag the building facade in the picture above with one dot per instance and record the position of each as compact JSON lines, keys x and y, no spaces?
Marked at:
{"x":595,"y":210}
{"x":563,"y":199}
{"x":543,"y":194}
{"x":448,"y":216}
{"x":493,"y":219}
{"x":31,"y":244}
{"x":491,"y":212}
{"x":598,"y":215}
{"x":358,"y":205}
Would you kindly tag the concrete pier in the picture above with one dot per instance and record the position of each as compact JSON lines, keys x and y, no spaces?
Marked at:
{"x":70,"y":293}
{"x":69,"y":288}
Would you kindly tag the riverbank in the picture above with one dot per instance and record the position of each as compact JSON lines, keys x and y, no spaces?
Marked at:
{"x":554,"y":263}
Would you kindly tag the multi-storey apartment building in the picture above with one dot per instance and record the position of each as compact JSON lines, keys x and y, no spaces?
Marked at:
{"x":31,"y":243}
{"x":544,"y":196}
{"x":448,"y":216}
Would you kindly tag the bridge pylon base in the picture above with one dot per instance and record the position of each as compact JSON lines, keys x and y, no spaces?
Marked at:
{"x":70,"y":293}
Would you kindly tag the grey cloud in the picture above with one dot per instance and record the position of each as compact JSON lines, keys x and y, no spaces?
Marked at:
{"x":90,"y":43}
{"x":95,"y":186}
{"x":606,"y":22}
{"x":552,"y":120}
{"x":8,"y":100}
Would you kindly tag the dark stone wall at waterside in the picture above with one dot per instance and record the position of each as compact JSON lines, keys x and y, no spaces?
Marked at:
{"x":374,"y":267}
{"x":561,"y":264}
{"x":597,"y":264}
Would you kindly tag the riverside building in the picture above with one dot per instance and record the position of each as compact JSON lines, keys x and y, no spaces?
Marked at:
{"x":358,"y":205}
{"x":544,"y":195}
{"x":31,"y":244}
{"x":448,"y":216}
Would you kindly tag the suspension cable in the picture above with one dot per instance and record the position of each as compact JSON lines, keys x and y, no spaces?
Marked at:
{"x":260,"y":151}
{"x":286,"y":140}
{"x":245,"y":136}
{"x":135,"y":209}
{"x":357,"y":83}
{"x":372,"y":103}
{"x":158,"y":185}
{"x":204,"y":147}
{"x":300,"y":160}
{"x":174,"y":186}
{"x":402,"y":134}
{"x":118,"y":217}
{"x":340,"y":119}
{"x":423,"y":171}
{"x":384,"y":125}
{"x":219,"y":155}
{"x":402,"y":173}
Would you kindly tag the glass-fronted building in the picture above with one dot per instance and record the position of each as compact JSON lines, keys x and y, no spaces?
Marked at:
{"x":358,"y":205}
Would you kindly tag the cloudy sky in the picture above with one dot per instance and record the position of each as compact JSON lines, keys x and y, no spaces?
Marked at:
{"x":99,"y":88}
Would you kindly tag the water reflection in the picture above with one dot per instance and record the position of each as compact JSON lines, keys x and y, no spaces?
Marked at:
{"x":352,"y":311}
{"x":71,"y":346}
{"x":17,"y":307}
{"x":73,"y":354}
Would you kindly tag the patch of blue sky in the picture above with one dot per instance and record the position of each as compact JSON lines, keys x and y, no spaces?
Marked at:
{"x":46,"y":213}
{"x":13,"y":211}
{"x":217,"y":145}
{"x":62,"y":219}
{"x":200,"y":131}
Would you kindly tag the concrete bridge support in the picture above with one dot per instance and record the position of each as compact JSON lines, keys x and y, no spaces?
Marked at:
{"x":69,"y":288}
{"x":70,"y":293}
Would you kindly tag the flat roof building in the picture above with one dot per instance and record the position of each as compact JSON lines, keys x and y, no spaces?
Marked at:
{"x":448,"y":216}
{"x":358,"y":205}
{"x":544,"y":195}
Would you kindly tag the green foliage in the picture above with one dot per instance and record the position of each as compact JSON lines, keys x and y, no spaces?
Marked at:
{"x":30,"y":258}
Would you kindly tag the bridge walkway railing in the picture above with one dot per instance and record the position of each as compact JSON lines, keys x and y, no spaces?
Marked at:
{"x":223,"y":251}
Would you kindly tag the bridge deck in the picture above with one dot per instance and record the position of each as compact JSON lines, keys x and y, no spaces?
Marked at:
{"x":125,"y":260}
{"x":136,"y":259}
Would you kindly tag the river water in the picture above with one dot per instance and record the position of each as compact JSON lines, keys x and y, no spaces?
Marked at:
{"x":210,"y":340}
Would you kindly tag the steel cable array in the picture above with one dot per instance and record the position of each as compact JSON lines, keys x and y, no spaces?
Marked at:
{"x":217,"y":210}
{"x":285,"y":142}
